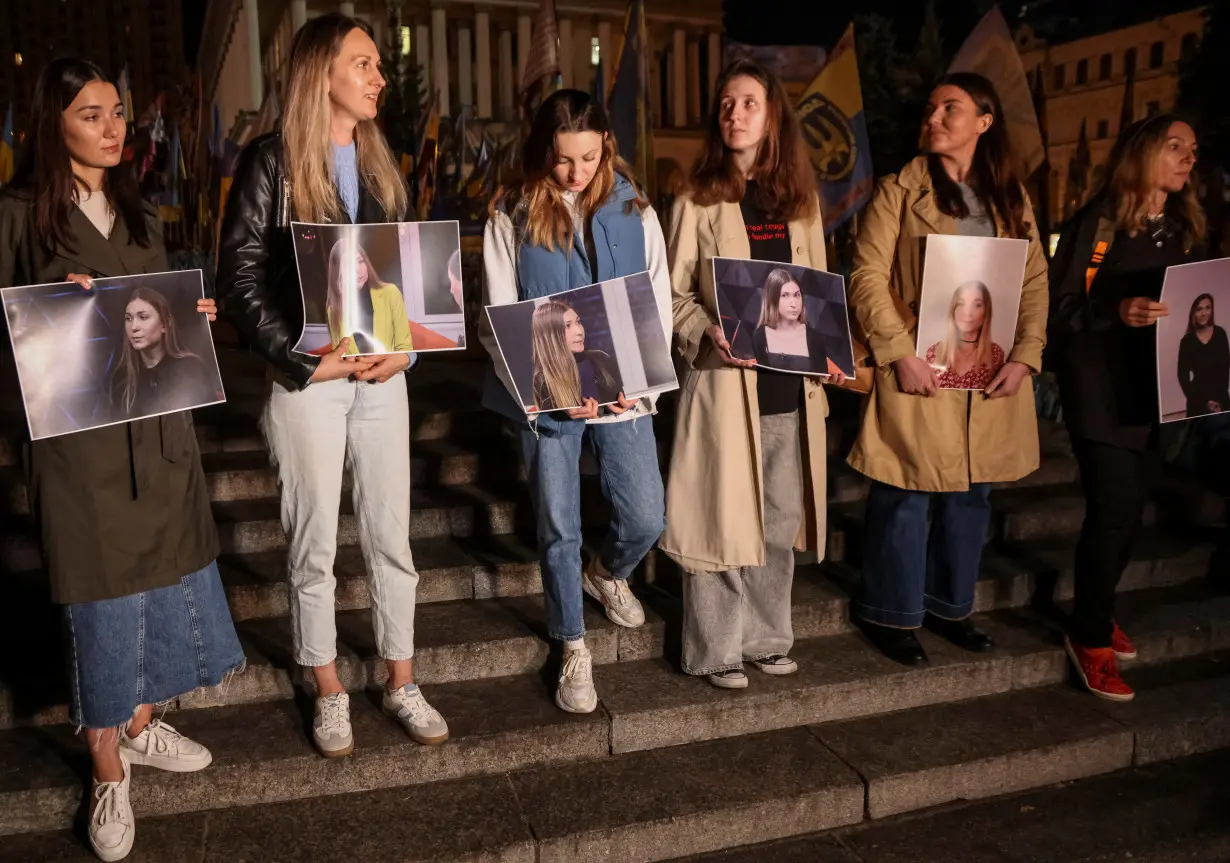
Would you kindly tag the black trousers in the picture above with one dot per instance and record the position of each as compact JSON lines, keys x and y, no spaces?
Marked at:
{"x":1113,"y":480}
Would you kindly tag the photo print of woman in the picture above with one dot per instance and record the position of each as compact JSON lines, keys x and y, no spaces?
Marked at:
{"x":1192,"y":349}
{"x":1204,"y":361}
{"x":362,"y":305}
{"x":966,"y":357}
{"x":565,"y":373}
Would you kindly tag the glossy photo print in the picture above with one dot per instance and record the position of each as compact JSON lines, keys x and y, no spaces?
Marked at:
{"x":786,"y":317}
{"x":392,"y":287}
{"x":592,"y":342}
{"x":130,"y":348}
{"x":971,"y":294}
{"x":1193,"y":352}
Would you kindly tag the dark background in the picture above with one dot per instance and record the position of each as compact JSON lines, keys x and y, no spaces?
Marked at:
{"x":60,"y":307}
{"x":654,"y":344}
{"x":740,"y":288}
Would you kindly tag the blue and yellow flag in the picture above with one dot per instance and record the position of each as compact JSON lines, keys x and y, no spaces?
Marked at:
{"x":6,"y":148}
{"x":629,"y":98}
{"x":835,"y":129}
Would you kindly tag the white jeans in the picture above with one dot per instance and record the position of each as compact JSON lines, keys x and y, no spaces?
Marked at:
{"x":312,"y":434}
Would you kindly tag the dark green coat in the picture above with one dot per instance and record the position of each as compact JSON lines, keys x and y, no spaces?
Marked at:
{"x":121,"y":509}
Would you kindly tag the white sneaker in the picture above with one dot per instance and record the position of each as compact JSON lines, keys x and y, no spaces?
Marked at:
{"x":616,"y":597}
{"x":421,"y":721}
{"x":575,"y":692}
{"x":161,"y":746}
{"x":731,"y":679}
{"x":776,"y":664}
{"x":331,"y":727}
{"x":112,"y":826}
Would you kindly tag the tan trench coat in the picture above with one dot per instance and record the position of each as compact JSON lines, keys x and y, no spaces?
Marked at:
{"x":945,"y":442}
{"x":714,"y":498}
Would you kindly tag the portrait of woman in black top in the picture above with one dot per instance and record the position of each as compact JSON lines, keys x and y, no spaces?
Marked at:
{"x":1204,"y":361}
{"x":782,"y":339}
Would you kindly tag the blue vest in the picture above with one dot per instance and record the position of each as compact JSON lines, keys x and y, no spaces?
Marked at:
{"x":619,"y":250}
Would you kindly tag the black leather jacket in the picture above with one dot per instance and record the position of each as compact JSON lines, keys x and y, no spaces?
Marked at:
{"x":257,"y":280}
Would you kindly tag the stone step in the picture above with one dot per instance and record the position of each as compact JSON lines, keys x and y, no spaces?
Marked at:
{"x":584,"y":801}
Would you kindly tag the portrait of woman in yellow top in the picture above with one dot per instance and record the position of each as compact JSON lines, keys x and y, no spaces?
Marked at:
{"x":362,"y":305}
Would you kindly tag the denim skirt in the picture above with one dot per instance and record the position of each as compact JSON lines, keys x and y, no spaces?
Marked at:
{"x":148,"y":647}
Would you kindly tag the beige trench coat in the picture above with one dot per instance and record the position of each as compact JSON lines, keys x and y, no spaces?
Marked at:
{"x":714,"y":498}
{"x":945,"y":442}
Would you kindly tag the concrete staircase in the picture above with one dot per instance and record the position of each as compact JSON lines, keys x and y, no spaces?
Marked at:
{"x":667,"y":766}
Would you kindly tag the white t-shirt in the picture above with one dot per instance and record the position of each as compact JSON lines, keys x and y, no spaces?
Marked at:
{"x":98,"y":210}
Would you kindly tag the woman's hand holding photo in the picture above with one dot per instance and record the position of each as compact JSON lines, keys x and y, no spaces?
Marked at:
{"x":622,"y":406}
{"x":836,"y":378}
{"x":208,"y":307}
{"x":587,"y":411}
{"x":1007,"y":381}
{"x":1142,"y":311}
{"x":85,"y":281}
{"x":335,"y":365}
{"x":714,"y":332}
{"x":383,"y":367}
{"x":915,"y":377}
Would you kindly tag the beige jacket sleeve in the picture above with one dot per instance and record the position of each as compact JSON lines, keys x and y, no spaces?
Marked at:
{"x":871,"y":298}
{"x":691,"y":318}
{"x":1035,"y":302}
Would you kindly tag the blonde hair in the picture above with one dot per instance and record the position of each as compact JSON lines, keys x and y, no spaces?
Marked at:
{"x":556,"y":380}
{"x":777,"y":279}
{"x":1130,"y":179}
{"x":306,"y":129}
{"x":335,"y":299}
{"x":128,"y":370}
{"x":946,"y":350}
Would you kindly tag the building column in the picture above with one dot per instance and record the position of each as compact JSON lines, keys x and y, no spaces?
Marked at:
{"x":605,"y":48}
{"x":255,"y":66}
{"x":715,"y":59}
{"x":694,"y":107}
{"x":564,"y":52}
{"x":439,"y":56}
{"x":346,"y":7}
{"x":422,"y":56}
{"x":465,"y":70}
{"x":482,"y":45}
{"x":583,"y":56}
{"x":507,"y":87}
{"x":298,"y":14}
{"x":525,"y":35}
{"x":679,"y":79}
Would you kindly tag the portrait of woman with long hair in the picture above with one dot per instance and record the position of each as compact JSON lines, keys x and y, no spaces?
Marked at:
{"x":328,"y":162}
{"x":931,"y":452}
{"x":565,"y":373}
{"x":782,"y":338}
{"x":155,"y":371}
{"x":1106,"y":278}
{"x":361,"y":305}
{"x":1204,"y":361}
{"x":128,"y":537}
{"x":966,"y":358}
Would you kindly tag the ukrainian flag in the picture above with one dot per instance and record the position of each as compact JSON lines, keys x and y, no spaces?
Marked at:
{"x":835,"y":129}
{"x":628,"y":100}
{"x":6,"y":148}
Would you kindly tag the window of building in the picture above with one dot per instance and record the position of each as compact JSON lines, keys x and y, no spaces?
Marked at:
{"x":1082,"y":72}
{"x":1188,"y":46}
{"x":1129,"y":61}
{"x":407,"y":44}
{"x":1104,"y":68}
{"x":1103,"y":128}
{"x":1059,"y":81}
{"x":1157,"y":55}
{"x":595,"y":51}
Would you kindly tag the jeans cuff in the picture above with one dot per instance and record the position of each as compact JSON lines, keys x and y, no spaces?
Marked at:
{"x":314,"y":660}
{"x":765,"y":654}
{"x":396,"y":657}
{"x":561,"y":637}
{"x":887,"y":617}
{"x":717,"y":669}
{"x":945,"y":611}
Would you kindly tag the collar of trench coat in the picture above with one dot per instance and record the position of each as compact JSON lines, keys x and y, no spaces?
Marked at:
{"x":694,"y":545}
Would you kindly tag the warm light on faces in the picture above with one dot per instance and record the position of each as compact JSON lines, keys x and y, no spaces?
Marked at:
{"x":1178,"y":157}
{"x":143,"y":325}
{"x":355,"y":81}
{"x":951,"y":122}
{"x":743,"y":114}
{"x":790,"y":302}
{"x":574,"y":332}
{"x":577,"y":157}
{"x":94,"y":127}
{"x":970,"y":313}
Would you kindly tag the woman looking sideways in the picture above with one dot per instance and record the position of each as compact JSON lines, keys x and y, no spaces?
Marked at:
{"x":926,"y":447}
{"x":577,"y":217}
{"x":747,"y":473}
{"x":565,"y":373}
{"x":1204,"y":361}
{"x":146,"y":621}
{"x":363,"y":306}
{"x":1107,"y":278}
{"x":329,"y":163}
{"x":967,"y":359}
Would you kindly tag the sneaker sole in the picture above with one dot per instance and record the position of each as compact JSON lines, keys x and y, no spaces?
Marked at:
{"x":723,"y":683}
{"x":167,"y":764}
{"x":1126,"y":657}
{"x":110,"y":855}
{"x":335,"y":753}
{"x":778,"y":670}
{"x":562,"y":706}
{"x":417,"y":738}
{"x":1109,"y":696}
{"x":594,"y":593}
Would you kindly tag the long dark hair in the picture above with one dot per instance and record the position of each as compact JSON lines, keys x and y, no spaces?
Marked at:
{"x":992,"y":174}
{"x":783,"y":169}
{"x":128,"y":370}
{"x":46,"y":170}
{"x":549,"y":223}
{"x":1191,"y":315}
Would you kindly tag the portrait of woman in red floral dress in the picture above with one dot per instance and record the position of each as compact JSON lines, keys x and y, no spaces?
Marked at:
{"x":967,"y":358}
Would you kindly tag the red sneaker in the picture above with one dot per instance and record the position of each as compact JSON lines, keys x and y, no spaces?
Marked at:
{"x":1097,"y":670}
{"x":1121,"y":644}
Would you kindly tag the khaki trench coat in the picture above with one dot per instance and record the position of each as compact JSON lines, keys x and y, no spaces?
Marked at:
{"x":124,"y":508}
{"x":714,"y":497}
{"x":945,"y":442}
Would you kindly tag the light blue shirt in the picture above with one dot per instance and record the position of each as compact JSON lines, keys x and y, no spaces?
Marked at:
{"x":346,"y":178}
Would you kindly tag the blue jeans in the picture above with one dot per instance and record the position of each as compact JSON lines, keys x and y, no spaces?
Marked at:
{"x":631,"y":483}
{"x":909,"y":570}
